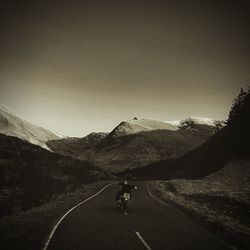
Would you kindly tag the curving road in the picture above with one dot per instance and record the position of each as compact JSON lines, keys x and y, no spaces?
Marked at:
{"x":98,"y":224}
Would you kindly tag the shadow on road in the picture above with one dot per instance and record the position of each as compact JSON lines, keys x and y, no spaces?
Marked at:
{"x":111,"y":209}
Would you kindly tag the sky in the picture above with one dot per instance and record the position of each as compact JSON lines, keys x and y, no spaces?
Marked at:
{"x":76,"y":67}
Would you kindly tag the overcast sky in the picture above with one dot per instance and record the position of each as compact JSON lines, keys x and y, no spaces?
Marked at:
{"x":80,"y":66}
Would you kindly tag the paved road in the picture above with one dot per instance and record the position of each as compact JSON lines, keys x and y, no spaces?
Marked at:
{"x":98,"y":224}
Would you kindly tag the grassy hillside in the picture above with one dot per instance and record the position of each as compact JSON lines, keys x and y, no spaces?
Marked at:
{"x":31,"y":175}
{"x":76,"y":147}
{"x":140,"y":149}
{"x":207,"y":158}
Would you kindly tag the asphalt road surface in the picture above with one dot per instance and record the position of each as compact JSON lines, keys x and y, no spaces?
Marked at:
{"x":99,"y":224}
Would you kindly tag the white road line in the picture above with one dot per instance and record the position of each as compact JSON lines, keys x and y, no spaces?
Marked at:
{"x":143,"y":241}
{"x":61,"y":219}
{"x":149,"y":191}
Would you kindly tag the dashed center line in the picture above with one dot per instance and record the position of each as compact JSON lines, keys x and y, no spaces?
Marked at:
{"x":142,"y":240}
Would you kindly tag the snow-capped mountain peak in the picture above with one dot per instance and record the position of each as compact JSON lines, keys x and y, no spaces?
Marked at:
{"x":201,"y":121}
{"x":12,"y":125}
{"x":197,"y":121}
{"x":138,"y":125}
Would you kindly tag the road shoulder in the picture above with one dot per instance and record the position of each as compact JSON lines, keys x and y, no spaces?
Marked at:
{"x":162,"y":200}
{"x":30,"y":230}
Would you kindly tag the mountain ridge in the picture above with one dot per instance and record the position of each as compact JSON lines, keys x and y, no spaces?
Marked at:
{"x":13,"y":125}
{"x":131,"y":144}
{"x":229,"y":143}
{"x":135,"y":143}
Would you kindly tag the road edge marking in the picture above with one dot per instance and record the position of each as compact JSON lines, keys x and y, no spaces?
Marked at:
{"x":70,"y":210}
{"x":142,"y":240}
{"x":149,"y":191}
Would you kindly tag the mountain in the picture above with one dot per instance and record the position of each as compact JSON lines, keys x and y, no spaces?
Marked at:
{"x":139,"y":125}
{"x":11,"y":124}
{"x":198,"y":123}
{"x":74,"y":146}
{"x":229,"y":143}
{"x":135,"y":143}
{"x":30,"y":175}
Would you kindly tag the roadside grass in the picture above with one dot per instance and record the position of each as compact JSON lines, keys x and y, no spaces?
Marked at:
{"x":30,"y":229}
{"x":221,"y":201}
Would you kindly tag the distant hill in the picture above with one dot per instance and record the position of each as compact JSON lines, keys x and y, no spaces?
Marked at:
{"x":201,"y":161}
{"x":136,"y":143}
{"x":74,"y":146}
{"x":11,"y":124}
{"x":229,"y":143}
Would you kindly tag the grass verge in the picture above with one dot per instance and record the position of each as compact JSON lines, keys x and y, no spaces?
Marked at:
{"x":220,"y":201}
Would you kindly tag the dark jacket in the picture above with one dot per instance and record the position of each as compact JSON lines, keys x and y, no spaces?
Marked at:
{"x":124,"y":188}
